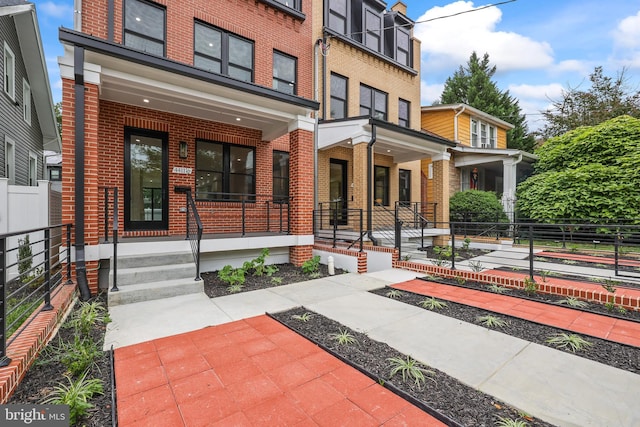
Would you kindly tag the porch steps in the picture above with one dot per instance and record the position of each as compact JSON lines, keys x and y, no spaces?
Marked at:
{"x":151,"y":277}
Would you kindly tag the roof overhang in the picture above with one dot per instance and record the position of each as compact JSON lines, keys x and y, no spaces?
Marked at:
{"x":471,"y":111}
{"x":130,"y":77}
{"x":401,"y":143}
{"x":26,"y":23}
{"x":469,"y":156}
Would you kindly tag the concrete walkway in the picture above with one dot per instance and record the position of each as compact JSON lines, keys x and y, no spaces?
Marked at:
{"x":560,"y":388}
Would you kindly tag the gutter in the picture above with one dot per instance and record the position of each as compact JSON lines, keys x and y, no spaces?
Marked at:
{"x":455,"y":123}
{"x":315,"y":133}
{"x":370,"y":186}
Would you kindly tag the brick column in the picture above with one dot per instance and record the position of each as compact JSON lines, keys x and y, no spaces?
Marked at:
{"x":441,"y":194}
{"x":301,"y":191}
{"x":360,"y":181}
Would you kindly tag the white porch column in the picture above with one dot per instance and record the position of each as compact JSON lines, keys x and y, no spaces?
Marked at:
{"x":510,"y":166}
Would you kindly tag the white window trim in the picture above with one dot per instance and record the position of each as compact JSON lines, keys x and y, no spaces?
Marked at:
{"x":477,"y":141}
{"x":10,"y":160}
{"x":26,"y":101}
{"x":33,"y":180}
{"x":430,"y":171}
{"x":9,"y":72}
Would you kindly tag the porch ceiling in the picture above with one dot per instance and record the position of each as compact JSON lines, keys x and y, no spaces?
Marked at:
{"x":402,"y":144}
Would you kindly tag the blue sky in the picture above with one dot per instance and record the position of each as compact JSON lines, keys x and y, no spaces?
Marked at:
{"x":538,"y":46}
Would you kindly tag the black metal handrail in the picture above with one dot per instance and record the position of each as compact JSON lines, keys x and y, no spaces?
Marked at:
{"x":194,"y":230}
{"x":37,"y":271}
{"x":114,"y":229}
{"x":339,"y":225}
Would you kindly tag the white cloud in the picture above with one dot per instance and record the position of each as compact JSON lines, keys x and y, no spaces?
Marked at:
{"x":627,"y":34}
{"x":430,"y":93}
{"x":545,"y":92}
{"x":449,"y":42}
{"x":55,"y":10}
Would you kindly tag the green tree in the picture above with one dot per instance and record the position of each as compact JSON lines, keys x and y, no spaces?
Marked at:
{"x":605,"y":99}
{"x":473,"y":85}
{"x":57,"y":109}
{"x":476,"y":206}
{"x":587,"y":173}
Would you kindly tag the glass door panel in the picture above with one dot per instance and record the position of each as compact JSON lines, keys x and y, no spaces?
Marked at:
{"x":338,"y":191}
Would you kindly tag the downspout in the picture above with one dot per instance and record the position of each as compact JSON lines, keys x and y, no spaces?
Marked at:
{"x":315,"y":133}
{"x":77,"y":17}
{"x":324,"y":80}
{"x":455,"y":123}
{"x":370,"y":185}
{"x":81,"y":267}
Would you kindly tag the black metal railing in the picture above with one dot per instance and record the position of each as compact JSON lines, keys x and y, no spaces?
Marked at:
{"x":32,"y":267}
{"x":194,"y":231}
{"x":111,"y":222}
{"x":337,"y":225}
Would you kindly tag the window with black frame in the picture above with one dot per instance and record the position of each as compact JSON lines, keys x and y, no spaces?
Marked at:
{"x":144,"y":26}
{"x":373,"y":102}
{"x":372,"y":30}
{"x":338,"y":96}
{"x":284,"y":73}
{"x":338,"y":15}
{"x":404,"y":107}
{"x":224,"y":172}
{"x":381,"y":185}
{"x":222,"y":52}
{"x":403,"y":47}
{"x":293,"y":4}
{"x":280,"y":176}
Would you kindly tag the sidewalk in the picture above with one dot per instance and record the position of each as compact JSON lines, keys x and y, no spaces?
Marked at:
{"x":560,"y":388}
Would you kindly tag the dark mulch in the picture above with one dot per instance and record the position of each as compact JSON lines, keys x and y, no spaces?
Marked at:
{"x":45,"y":374}
{"x":286,"y":274}
{"x":461,"y":253}
{"x":440,"y":392}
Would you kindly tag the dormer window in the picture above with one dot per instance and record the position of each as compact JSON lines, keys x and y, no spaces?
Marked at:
{"x":372,"y":30}
{"x":483,"y":135}
{"x":338,"y":17}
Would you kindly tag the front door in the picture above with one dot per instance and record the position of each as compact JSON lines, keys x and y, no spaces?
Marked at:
{"x":338,"y":191}
{"x":145,"y":180}
{"x":405,"y":187}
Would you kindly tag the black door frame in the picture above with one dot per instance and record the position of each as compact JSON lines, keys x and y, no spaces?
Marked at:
{"x":341,"y":207}
{"x":146,"y":225}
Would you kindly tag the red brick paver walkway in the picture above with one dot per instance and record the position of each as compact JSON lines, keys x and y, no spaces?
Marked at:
{"x":253,"y":372}
{"x":589,"y":258}
{"x":622,"y":331}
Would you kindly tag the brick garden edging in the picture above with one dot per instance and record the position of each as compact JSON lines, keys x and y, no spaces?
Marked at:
{"x":598,"y":296}
{"x":24,"y":350}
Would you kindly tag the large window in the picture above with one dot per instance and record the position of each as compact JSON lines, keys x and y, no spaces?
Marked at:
{"x":338,"y":10}
{"x":483,"y":135}
{"x":221,"y":52}
{"x":33,"y":169}
{"x":26,"y":101}
{"x":9,"y":72}
{"x":284,"y":73}
{"x":381,"y":185}
{"x":404,"y":107}
{"x":403,"y":47}
{"x":280,"y":176}
{"x":144,"y":26}
{"x":225,"y":171}
{"x":373,"y":103}
{"x":372,"y":30}
{"x":338,"y":96}
{"x":9,"y":160}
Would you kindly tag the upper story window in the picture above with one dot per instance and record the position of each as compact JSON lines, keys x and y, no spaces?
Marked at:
{"x":373,"y":103}
{"x":338,"y":96}
{"x":144,"y":26}
{"x":222,"y":52}
{"x":404,"y":107}
{"x":225,"y":171}
{"x":9,"y":72}
{"x":372,"y":30}
{"x":293,"y":4}
{"x":483,"y":135}
{"x":284,"y":73}
{"x":280,"y":176}
{"x":26,"y":101}
{"x":338,"y":15}
{"x":403,"y":47}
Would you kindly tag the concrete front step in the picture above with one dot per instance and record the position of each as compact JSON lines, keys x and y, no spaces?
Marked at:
{"x":134,"y":261}
{"x":134,"y":276}
{"x":154,"y":290}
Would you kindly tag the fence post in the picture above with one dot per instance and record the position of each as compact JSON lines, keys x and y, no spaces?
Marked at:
{"x":243,"y":215}
{"x":497,"y":225}
{"x":453,"y":246}
{"x":47,"y":271}
{"x":268,"y":217}
{"x":69,"y":281}
{"x":361,"y":235}
{"x":531,"y":251}
{"x":4,"y":360}
{"x":616,"y":247}
{"x":106,"y":214}
{"x":335,"y":225}
{"x":114,"y":288}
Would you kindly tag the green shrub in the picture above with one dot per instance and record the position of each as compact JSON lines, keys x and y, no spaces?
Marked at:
{"x":311,"y":266}
{"x":231,"y":276}
{"x":77,"y":395}
{"x":476,"y":206}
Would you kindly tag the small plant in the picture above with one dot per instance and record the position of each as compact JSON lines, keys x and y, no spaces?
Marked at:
{"x":235,"y":288}
{"x":530,"y":286}
{"x":573,"y":302}
{"x":232,"y":276}
{"x":303,"y":317}
{"x":432,"y":304}
{"x":343,"y":337}
{"x":515,"y":269}
{"x":466,"y":244}
{"x":77,"y":356}
{"x":410,"y":369}
{"x":311,"y":265}
{"x":508,"y":422}
{"x":315,"y":275}
{"x":543,"y":275}
{"x":573,"y":248}
{"x":276,"y":280}
{"x":394,"y":294}
{"x":476,"y":266}
{"x":87,"y":315}
{"x":440,"y":262}
{"x":494,"y":287}
{"x":460,"y":280}
{"x":569,"y":261}
{"x":572,"y":342}
{"x":270,"y":270}
{"x":610,"y":286}
{"x":25,"y":257}
{"x":77,"y":395}
{"x":491,"y":321}
{"x":540,"y":259}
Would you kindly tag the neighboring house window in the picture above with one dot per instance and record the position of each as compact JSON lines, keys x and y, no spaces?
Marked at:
{"x":222,"y":52}
{"x":381,"y":189}
{"x":430,"y":171}
{"x":26,"y":101}
{"x":9,"y":72}
{"x":33,"y":169}
{"x":474,"y":133}
{"x":492,"y":137}
{"x":225,"y":171}
{"x":284,"y":73}
{"x":338,"y":96}
{"x":144,"y":26}
{"x":372,"y":30}
{"x":55,"y":174}
{"x":373,"y":102}
{"x":403,"y":113}
{"x":483,"y":135}
{"x":405,"y":185}
{"x":10,"y":160}
{"x":293,"y":4}
{"x":280,"y":176}
{"x":403,"y":48}
{"x":338,"y":17}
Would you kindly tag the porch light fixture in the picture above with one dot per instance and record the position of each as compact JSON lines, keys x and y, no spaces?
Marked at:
{"x":183,"y":151}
